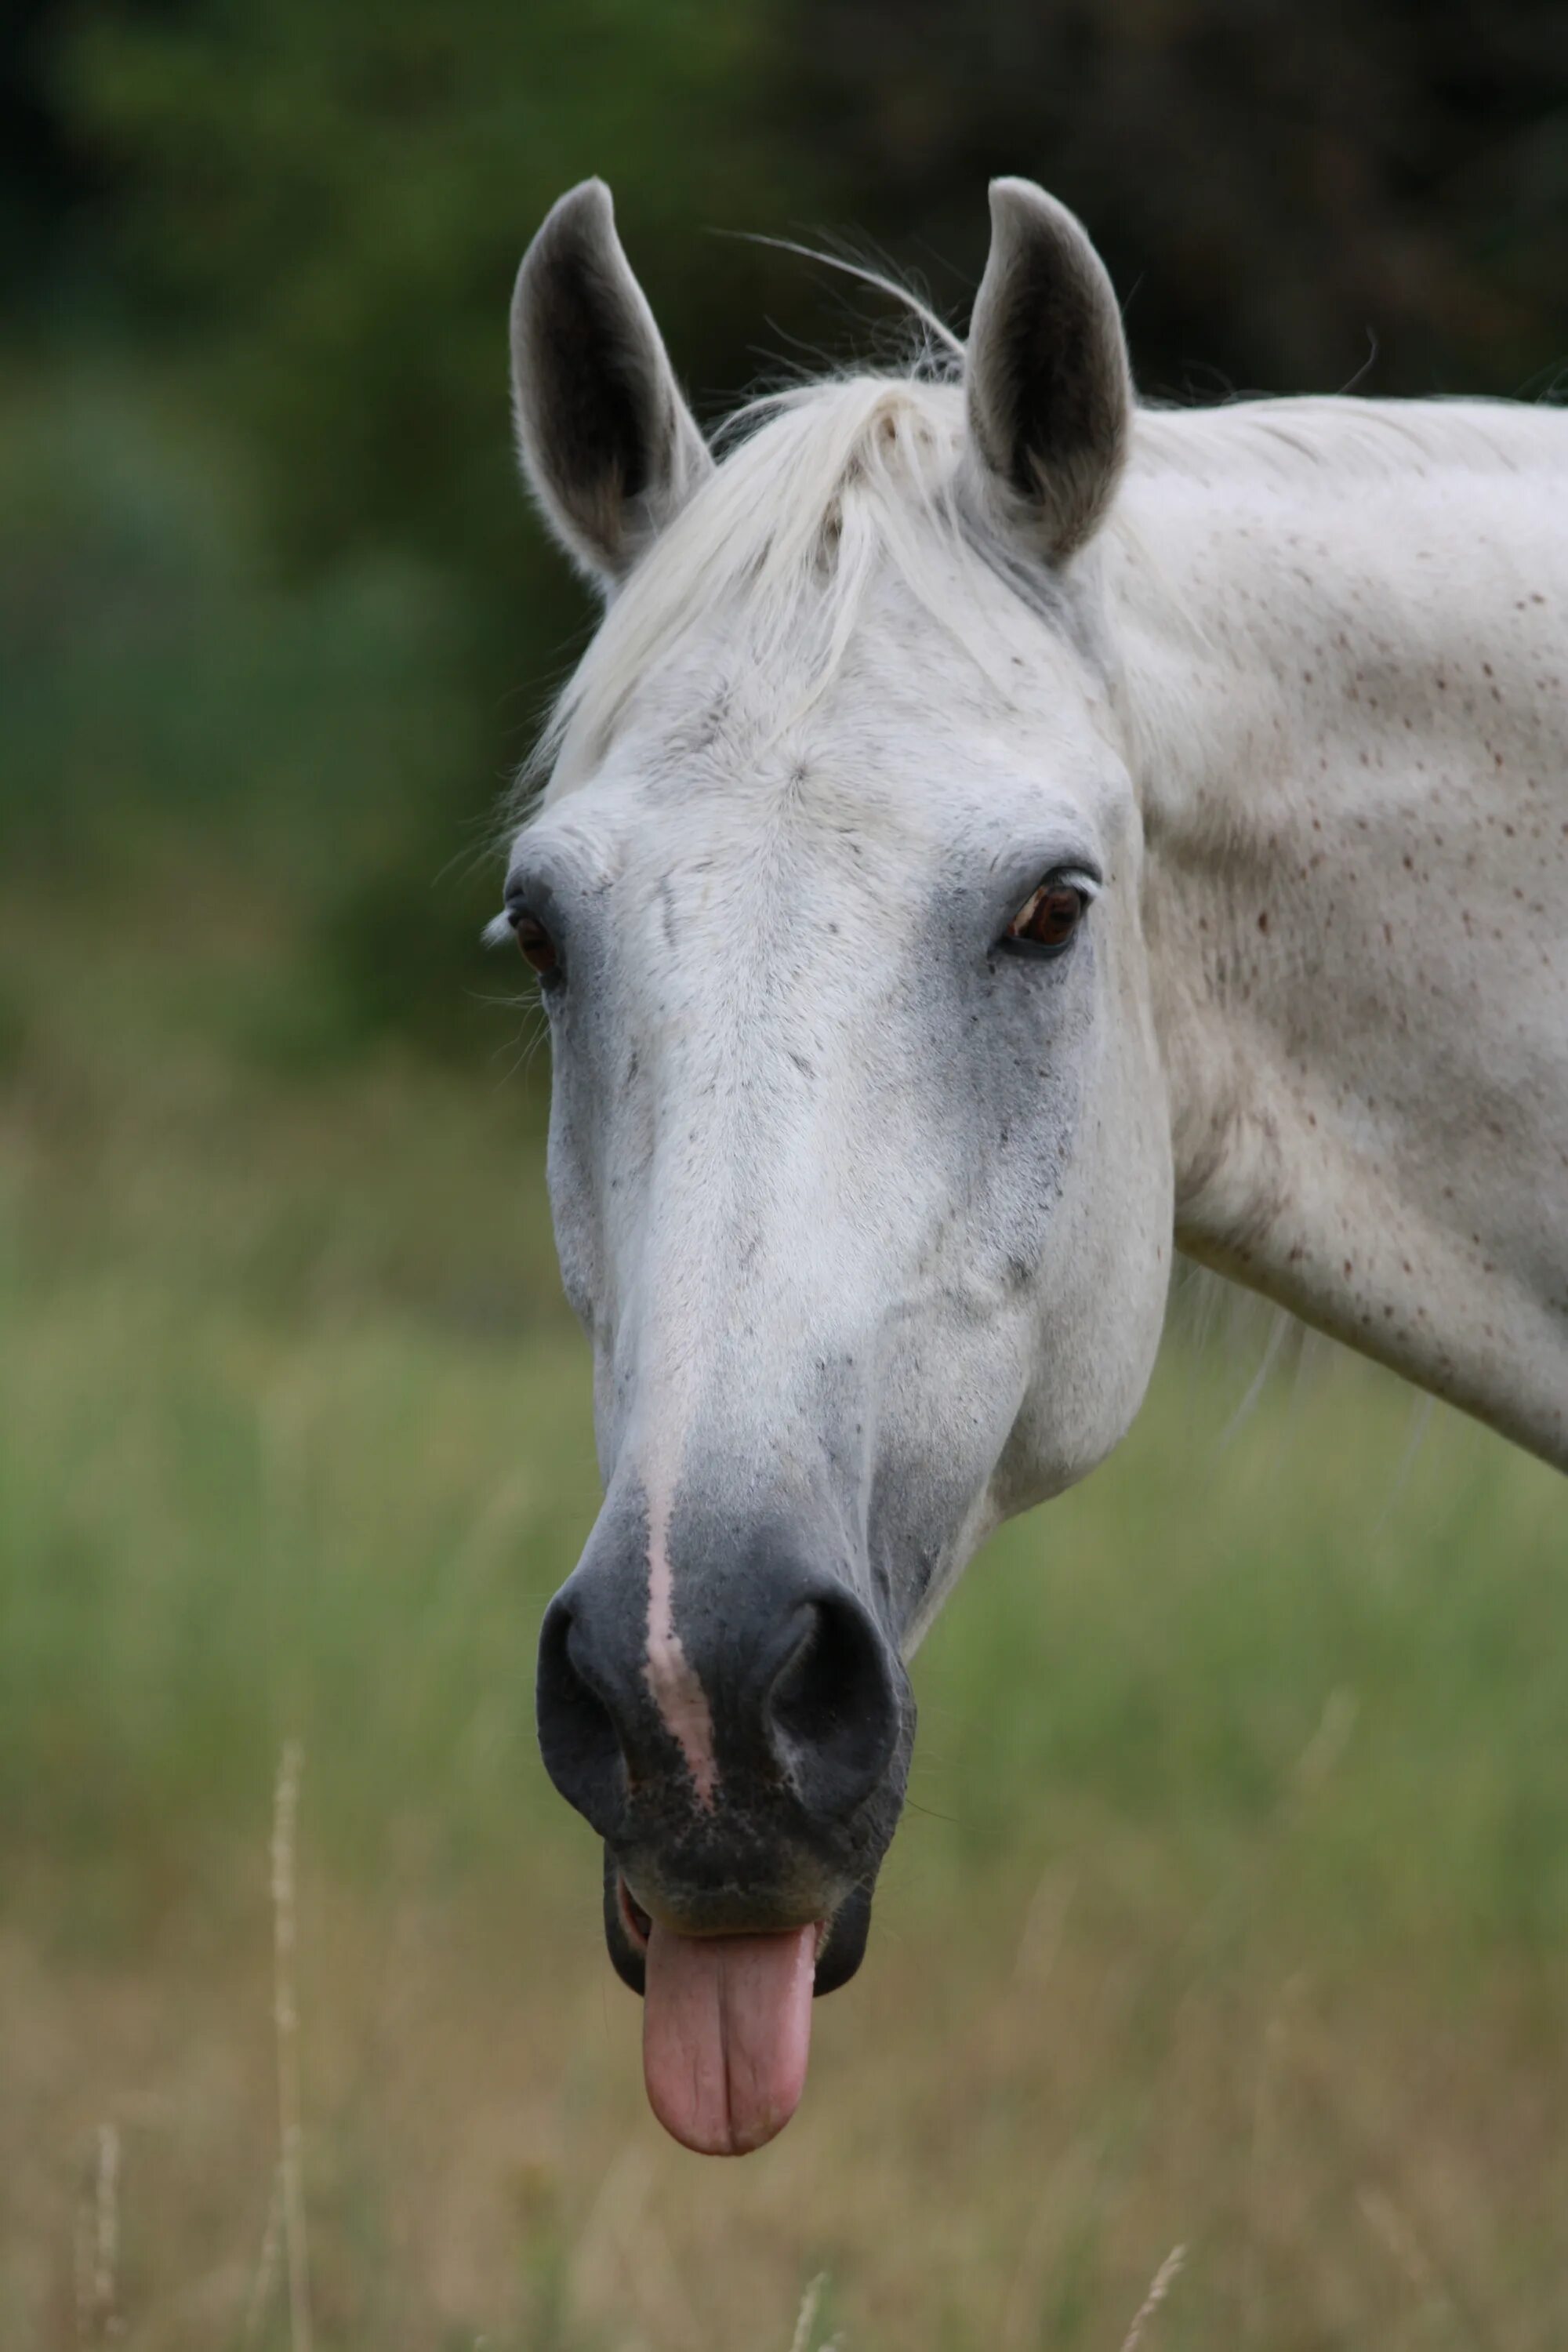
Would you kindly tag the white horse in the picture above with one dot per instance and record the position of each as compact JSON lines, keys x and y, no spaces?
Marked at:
{"x":998,"y":836}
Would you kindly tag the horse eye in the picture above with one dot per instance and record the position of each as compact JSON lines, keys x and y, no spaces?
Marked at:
{"x":537,"y":946}
{"x":1050,"y":917}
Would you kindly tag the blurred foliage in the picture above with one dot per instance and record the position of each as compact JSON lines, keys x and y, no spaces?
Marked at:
{"x":339,"y":201}
{"x":288,"y":574}
{"x":180,"y":723}
{"x":263,"y":568}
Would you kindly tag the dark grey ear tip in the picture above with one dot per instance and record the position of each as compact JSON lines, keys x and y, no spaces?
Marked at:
{"x":1022,"y":212}
{"x":579,"y":228}
{"x":590,"y":200}
{"x":590,"y":209}
{"x":583,"y":219}
{"x":1012,"y":190}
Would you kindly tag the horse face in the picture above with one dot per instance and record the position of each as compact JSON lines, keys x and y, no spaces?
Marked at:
{"x":862,"y":1192}
{"x":859,"y":1161}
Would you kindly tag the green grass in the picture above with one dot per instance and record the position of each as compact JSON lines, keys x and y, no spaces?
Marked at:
{"x":1229,"y":1909}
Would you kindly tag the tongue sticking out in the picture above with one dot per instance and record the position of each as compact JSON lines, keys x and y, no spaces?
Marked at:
{"x":726,"y":2034}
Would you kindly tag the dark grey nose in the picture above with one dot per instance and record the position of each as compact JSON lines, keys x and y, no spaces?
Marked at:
{"x":803,"y":1689}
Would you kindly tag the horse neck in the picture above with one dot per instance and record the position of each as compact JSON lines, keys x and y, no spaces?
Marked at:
{"x":1345,"y":708}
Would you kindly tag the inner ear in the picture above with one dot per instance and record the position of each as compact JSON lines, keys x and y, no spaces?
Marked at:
{"x":1048,"y":390}
{"x":608,"y":445}
{"x":594,"y":398}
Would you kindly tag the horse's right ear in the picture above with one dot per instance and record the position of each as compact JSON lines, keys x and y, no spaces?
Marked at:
{"x":1050,"y":394}
{"x":608,"y":446}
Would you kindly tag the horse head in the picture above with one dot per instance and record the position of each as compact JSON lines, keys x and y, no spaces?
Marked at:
{"x":859,"y":1155}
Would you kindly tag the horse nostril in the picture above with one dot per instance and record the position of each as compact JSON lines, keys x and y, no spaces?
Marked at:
{"x":577,"y":1734}
{"x":833,"y":1708}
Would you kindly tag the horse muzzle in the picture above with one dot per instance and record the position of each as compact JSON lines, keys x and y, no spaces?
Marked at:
{"x":746,"y":1771}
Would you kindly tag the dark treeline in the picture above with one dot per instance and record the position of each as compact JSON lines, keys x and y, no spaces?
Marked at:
{"x":1288,"y":196}
{"x":260,"y":254}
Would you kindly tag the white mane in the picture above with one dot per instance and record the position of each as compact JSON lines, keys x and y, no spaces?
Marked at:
{"x":1360,"y":440}
{"x":821,"y":486}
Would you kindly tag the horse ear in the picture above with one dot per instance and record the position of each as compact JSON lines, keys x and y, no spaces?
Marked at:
{"x":1049,"y":393}
{"x":608,"y":446}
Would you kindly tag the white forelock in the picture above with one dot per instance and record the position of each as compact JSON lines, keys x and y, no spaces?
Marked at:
{"x":822,"y":487}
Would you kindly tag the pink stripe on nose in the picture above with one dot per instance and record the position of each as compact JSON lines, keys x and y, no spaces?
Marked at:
{"x":677,"y":1693}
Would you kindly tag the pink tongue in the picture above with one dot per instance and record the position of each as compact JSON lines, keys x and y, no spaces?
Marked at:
{"x":726,"y":2036}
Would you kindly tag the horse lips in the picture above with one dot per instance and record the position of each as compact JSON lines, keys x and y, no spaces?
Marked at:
{"x":726,"y":2034}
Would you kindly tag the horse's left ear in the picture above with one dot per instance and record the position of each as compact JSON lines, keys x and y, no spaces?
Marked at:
{"x":1049,"y":393}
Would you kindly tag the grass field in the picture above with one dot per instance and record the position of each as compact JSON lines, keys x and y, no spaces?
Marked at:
{"x":1230,"y":1911}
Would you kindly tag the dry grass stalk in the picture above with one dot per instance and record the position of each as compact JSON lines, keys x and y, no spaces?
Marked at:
{"x":286,"y":2022}
{"x":98,"y":2245}
{"x":265,"y":2277}
{"x":106,"y":2209}
{"x":1409,"y":2257}
{"x":1160,"y":2287}
{"x":800,"y":2341}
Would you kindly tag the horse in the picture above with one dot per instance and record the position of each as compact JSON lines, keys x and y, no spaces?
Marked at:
{"x":1000,"y":836}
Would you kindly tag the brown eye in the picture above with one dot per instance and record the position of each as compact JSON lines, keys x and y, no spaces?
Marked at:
{"x":536,"y":944}
{"x":1050,"y":918}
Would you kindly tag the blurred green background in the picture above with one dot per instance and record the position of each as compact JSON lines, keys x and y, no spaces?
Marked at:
{"x":1231,"y":1906}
